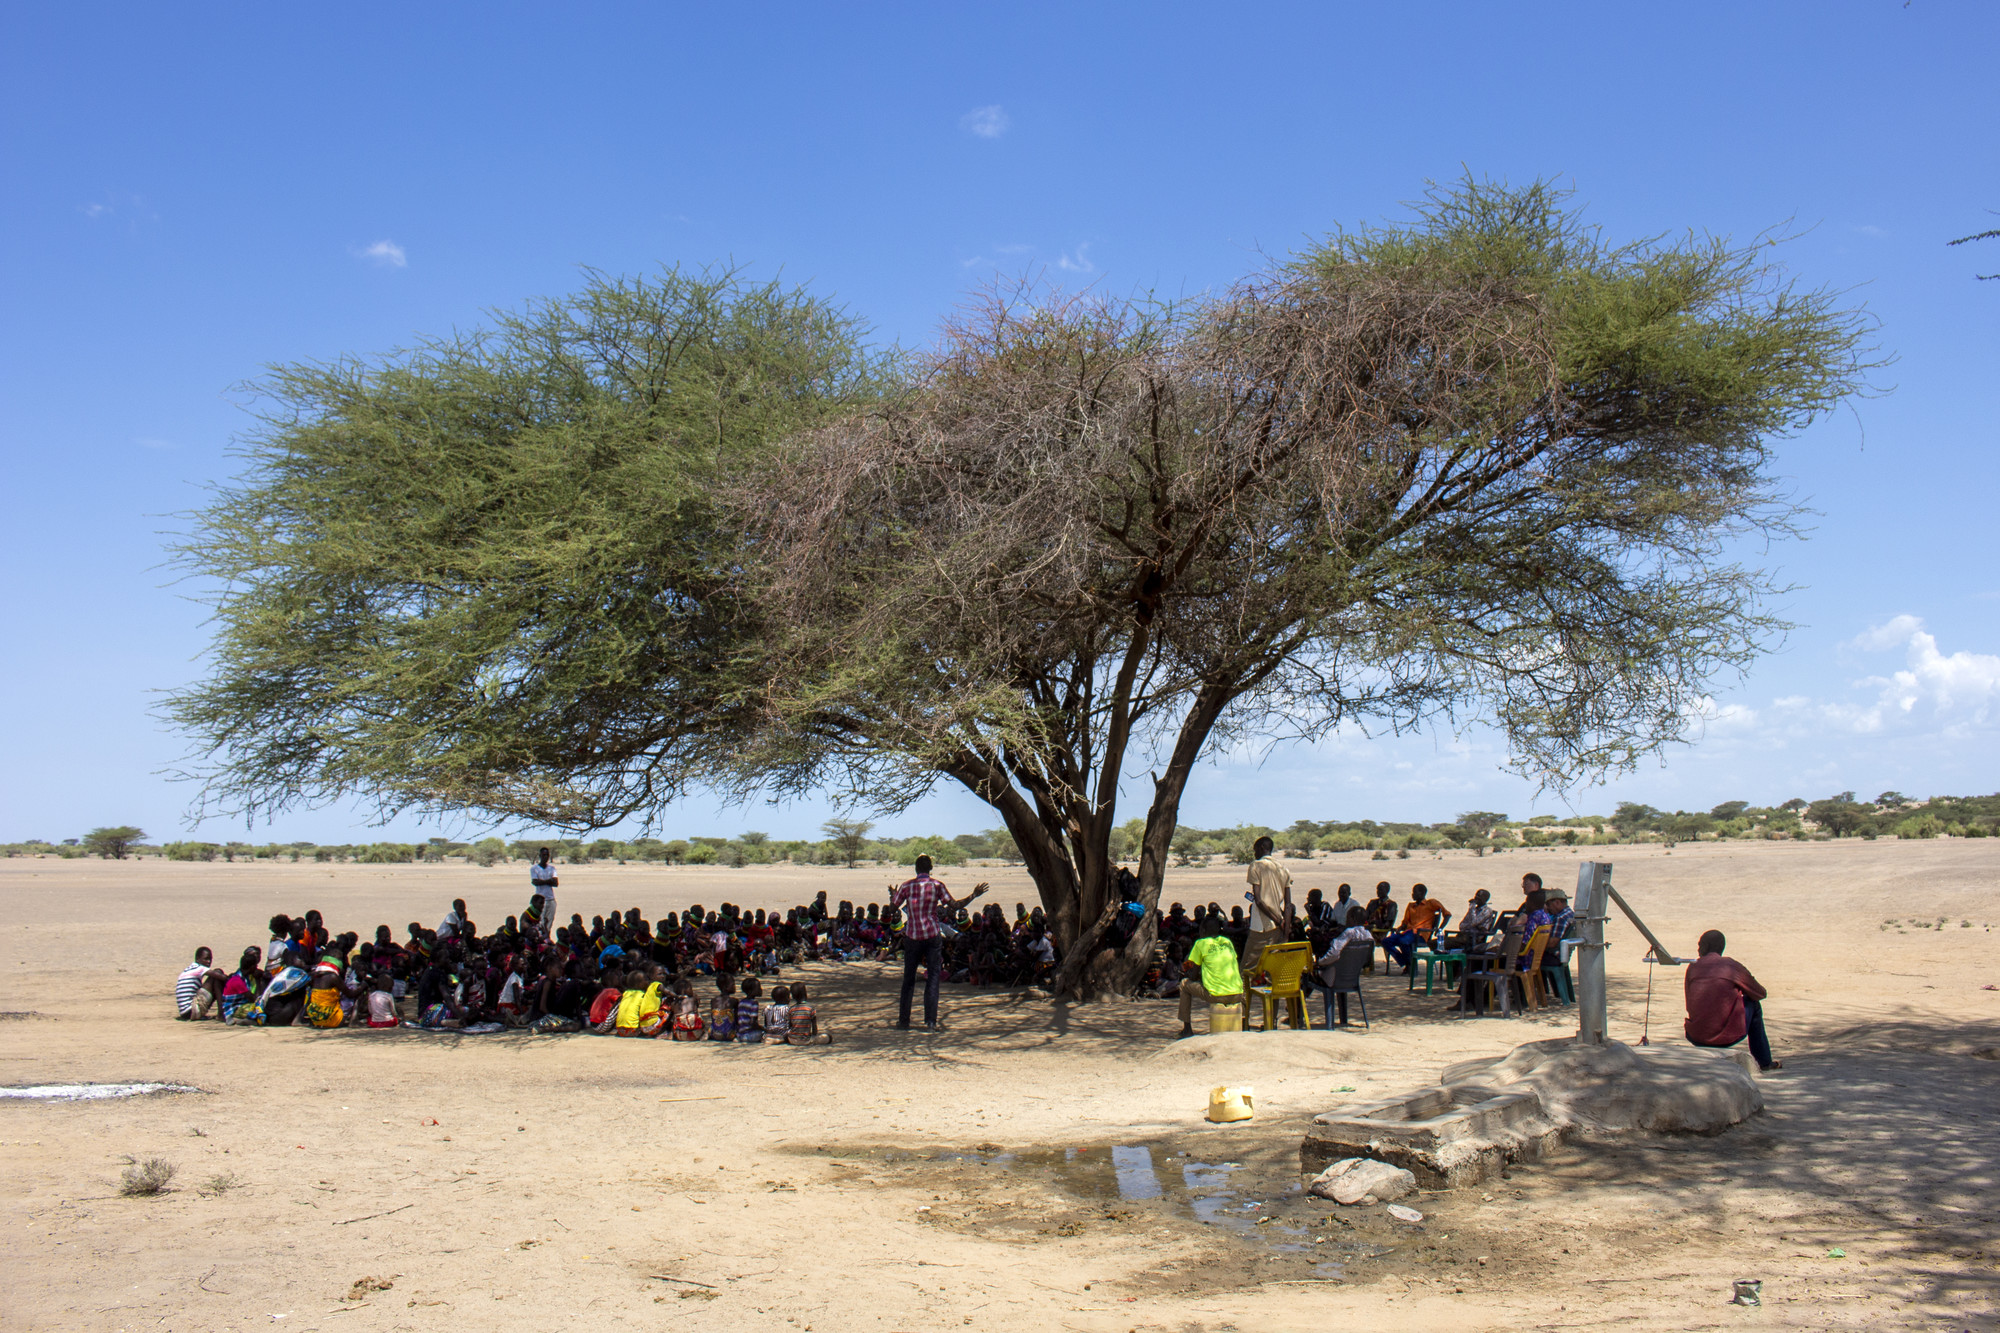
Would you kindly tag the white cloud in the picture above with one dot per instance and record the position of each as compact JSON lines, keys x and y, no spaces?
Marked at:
{"x":1959,"y":683}
{"x":1721,"y":719}
{"x":988,"y":122}
{"x":387,"y":253}
{"x":152,"y":442}
{"x":1951,"y":692}
{"x":1897,"y":631}
{"x":1077,"y":260}
{"x":1870,"y":229}
{"x":95,"y":211}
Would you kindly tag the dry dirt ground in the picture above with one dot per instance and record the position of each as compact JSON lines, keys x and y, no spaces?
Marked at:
{"x":1035,"y":1165}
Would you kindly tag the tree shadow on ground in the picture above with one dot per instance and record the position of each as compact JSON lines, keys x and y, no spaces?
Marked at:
{"x":1882,"y":1136}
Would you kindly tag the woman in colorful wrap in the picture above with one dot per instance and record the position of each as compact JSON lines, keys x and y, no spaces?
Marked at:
{"x":284,"y":997}
{"x":239,"y":993}
{"x":324,"y":992}
{"x":639,"y":1010}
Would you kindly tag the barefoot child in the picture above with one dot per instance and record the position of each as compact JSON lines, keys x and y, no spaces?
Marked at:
{"x":776,"y":1018}
{"x":381,"y":1003}
{"x":687,"y":1013}
{"x":747,"y":1027}
{"x":802,"y":1020}
{"x":722,"y":1010}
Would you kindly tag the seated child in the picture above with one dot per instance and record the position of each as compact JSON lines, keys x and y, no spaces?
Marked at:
{"x":776,"y":1016}
{"x":604,"y":1009}
{"x":687,"y":1013}
{"x":382,"y":1003}
{"x":513,"y":1006}
{"x":748,"y":1028}
{"x":722,"y":1010}
{"x":801,"y":1019}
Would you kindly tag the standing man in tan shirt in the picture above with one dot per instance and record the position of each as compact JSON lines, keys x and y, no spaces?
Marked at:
{"x":1270,"y":908}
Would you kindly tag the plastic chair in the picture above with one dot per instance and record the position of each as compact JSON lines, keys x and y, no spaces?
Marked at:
{"x":1534,"y":991}
{"x":1488,"y":977}
{"x":1555,"y":969}
{"x":1346,"y":980}
{"x":1284,"y":965}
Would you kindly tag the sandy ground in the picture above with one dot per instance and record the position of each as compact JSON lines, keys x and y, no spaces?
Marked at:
{"x":1035,"y":1165}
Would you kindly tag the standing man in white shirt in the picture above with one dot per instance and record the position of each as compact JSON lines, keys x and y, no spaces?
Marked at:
{"x":1270,"y":907}
{"x":542,"y":876}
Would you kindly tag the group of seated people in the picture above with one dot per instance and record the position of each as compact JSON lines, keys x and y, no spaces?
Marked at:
{"x":619,"y":975}
{"x":983,"y":949}
{"x":1193,"y":968}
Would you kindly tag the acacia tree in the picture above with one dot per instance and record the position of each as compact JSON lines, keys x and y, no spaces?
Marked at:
{"x":1482,"y":465}
{"x":848,"y":836}
{"x":691,"y":530}
{"x":488,"y":574}
{"x":113,"y":843}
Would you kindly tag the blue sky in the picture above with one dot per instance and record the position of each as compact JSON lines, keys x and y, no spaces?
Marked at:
{"x":195,"y":191}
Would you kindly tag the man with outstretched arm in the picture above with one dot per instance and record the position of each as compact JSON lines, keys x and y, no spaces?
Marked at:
{"x":923,"y":902}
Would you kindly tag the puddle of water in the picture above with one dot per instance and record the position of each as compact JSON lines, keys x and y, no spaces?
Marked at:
{"x":89,"y":1092}
{"x":1134,"y":1170}
{"x":1211,"y":1193}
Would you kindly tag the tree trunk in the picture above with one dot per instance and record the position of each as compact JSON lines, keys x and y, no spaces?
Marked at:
{"x":1075,"y":977}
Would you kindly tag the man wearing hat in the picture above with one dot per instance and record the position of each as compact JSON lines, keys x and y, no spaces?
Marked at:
{"x":1562,"y":921}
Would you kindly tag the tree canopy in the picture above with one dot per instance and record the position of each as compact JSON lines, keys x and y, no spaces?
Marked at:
{"x":1484,"y":464}
{"x":489,"y":573}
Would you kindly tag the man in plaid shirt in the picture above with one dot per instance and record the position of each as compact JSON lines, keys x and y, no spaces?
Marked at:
{"x":923,"y":902}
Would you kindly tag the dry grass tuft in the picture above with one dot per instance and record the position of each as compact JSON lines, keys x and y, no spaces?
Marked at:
{"x":150,"y":1177}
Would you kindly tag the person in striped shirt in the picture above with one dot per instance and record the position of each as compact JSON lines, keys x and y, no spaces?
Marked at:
{"x":923,"y":902}
{"x":199,"y":986}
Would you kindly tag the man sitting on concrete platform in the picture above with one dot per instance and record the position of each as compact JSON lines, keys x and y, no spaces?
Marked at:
{"x":1725,"y":1003}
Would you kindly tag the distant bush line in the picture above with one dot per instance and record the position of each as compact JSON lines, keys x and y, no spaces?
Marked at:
{"x":1889,"y":815}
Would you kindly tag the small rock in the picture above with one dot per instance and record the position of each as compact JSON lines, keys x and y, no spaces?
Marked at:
{"x":1353,"y":1180}
{"x":1402,"y":1214}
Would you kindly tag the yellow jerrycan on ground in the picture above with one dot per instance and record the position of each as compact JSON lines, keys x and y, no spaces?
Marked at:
{"x":1226,"y":1105}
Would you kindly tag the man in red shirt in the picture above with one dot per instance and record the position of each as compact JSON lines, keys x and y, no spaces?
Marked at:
{"x":1725,"y":1003}
{"x":924,"y":901}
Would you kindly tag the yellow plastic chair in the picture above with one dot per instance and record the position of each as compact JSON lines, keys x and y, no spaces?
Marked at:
{"x":1283,"y":966}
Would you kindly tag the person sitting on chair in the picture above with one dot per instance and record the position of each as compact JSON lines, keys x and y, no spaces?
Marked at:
{"x":1382,"y":911}
{"x":1356,"y":936}
{"x":1478,"y":923}
{"x":1724,"y":1002}
{"x":1420,"y":918}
